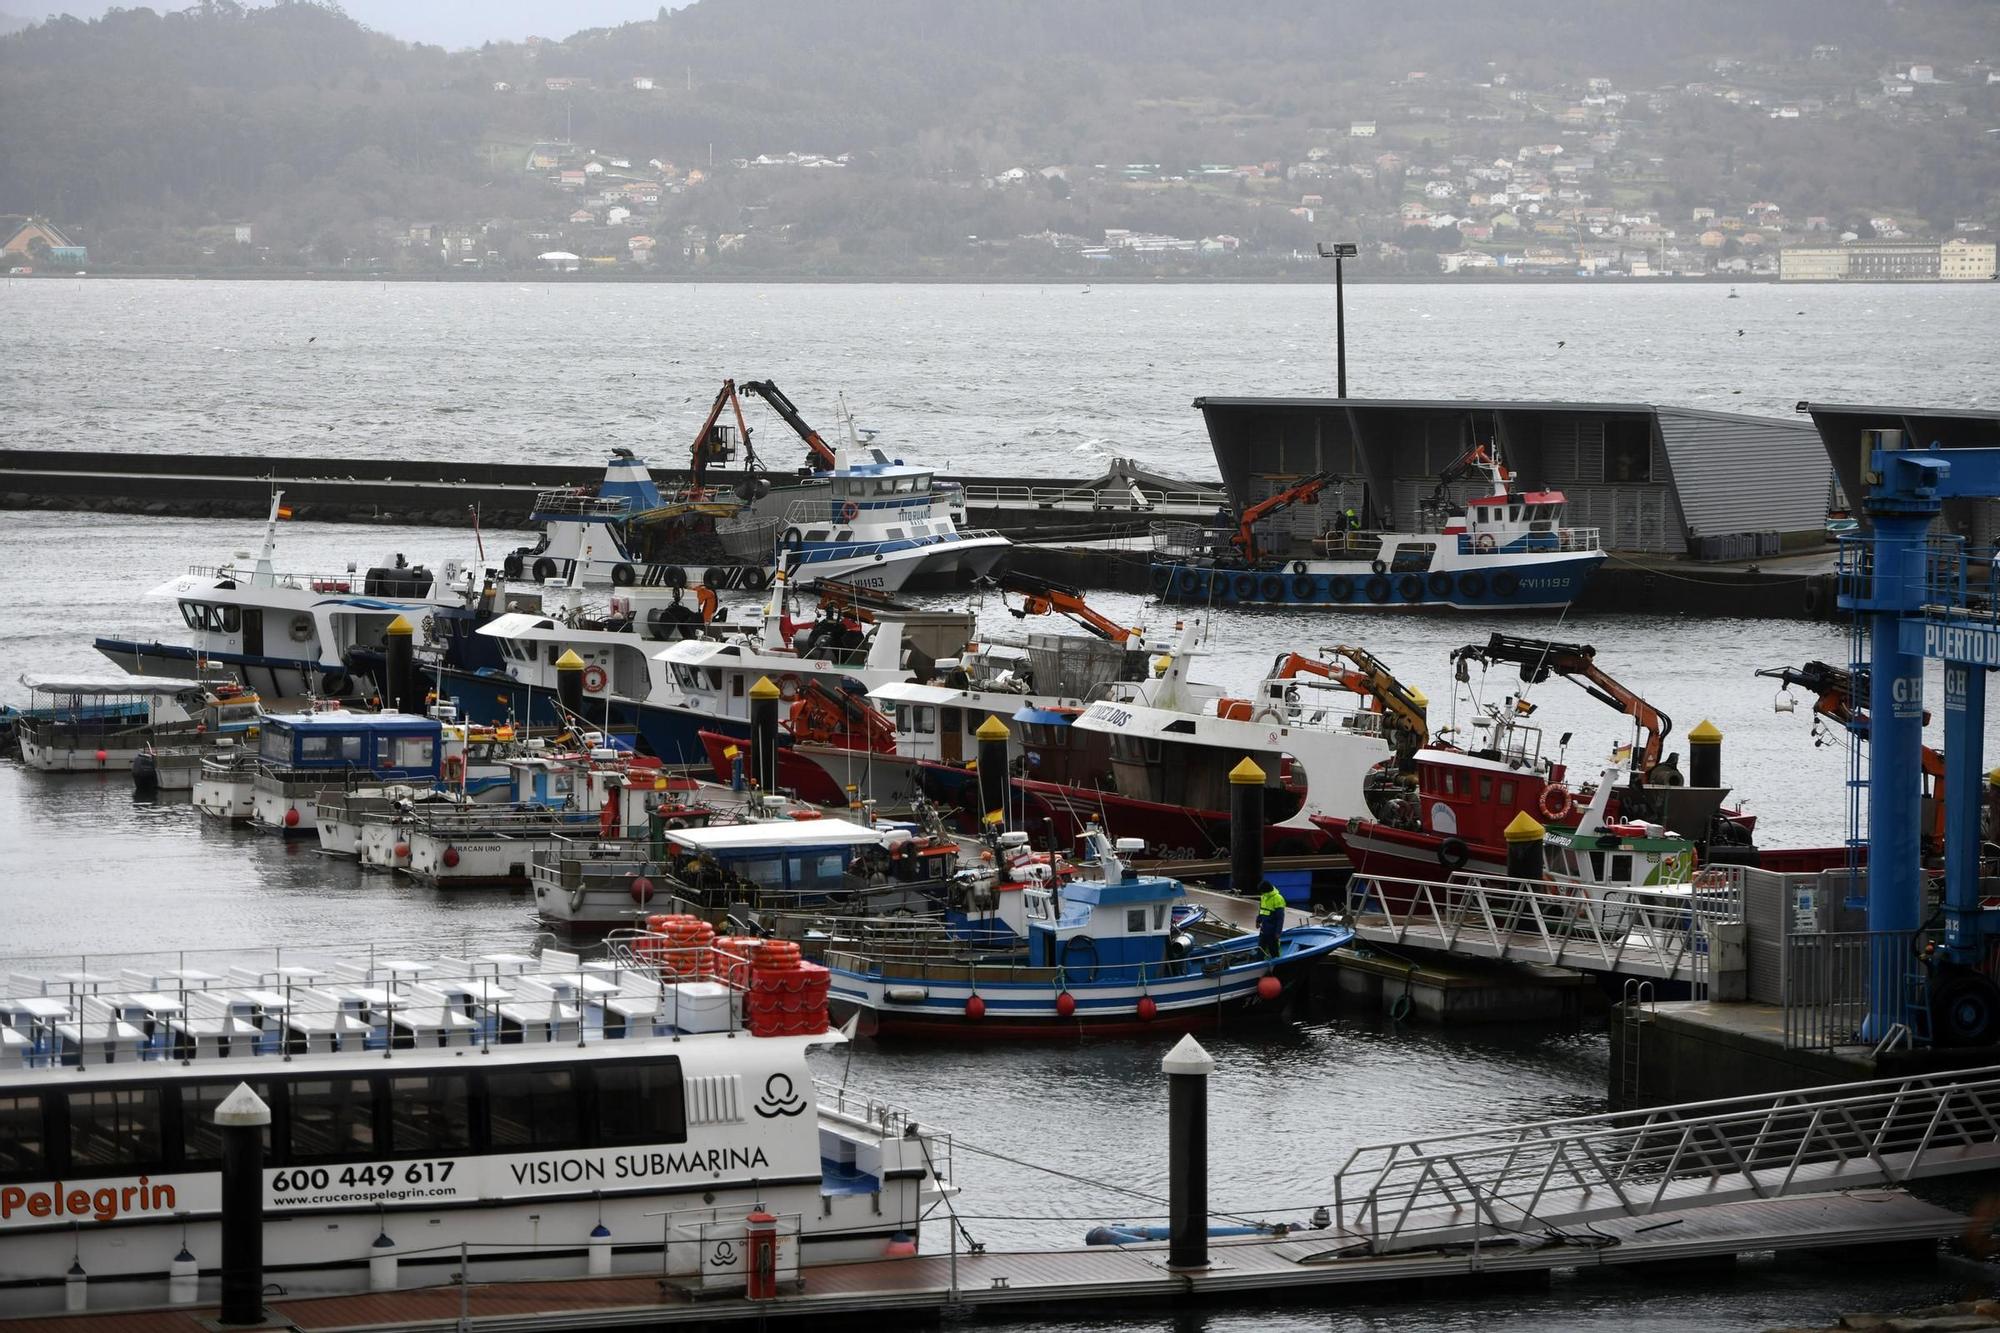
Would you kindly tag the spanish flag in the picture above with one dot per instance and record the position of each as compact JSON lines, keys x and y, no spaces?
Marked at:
{"x":284,"y":511}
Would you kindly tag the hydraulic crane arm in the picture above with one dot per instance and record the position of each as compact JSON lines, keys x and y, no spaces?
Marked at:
{"x":1039,"y":597}
{"x":1369,"y":678}
{"x":1539,"y":659}
{"x":1834,"y":689}
{"x":698,"y":460}
{"x":1303,"y":492}
{"x":819,"y":453}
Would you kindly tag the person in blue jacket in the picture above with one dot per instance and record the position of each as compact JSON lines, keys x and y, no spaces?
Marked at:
{"x":1270,"y":918}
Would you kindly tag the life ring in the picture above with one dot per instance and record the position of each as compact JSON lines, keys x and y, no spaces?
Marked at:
{"x":1379,"y":565}
{"x":676,"y":823}
{"x":1185,"y":580}
{"x":623,"y":575}
{"x":513,"y":565}
{"x":1272,"y":588}
{"x":849,"y":512}
{"x":452,"y":768}
{"x":1298,"y":566}
{"x":791,"y":539}
{"x":1506,"y":583}
{"x":1303,"y":587}
{"x":788,"y":686}
{"x":1378,"y":588}
{"x":1453,"y":854}
{"x":1412,"y":587}
{"x":302,"y":628}
{"x":1340,"y":588}
{"x":1162,"y":578}
{"x":544,"y":570}
{"x":1246,"y":586}
{"x":1440,"y":584}
{"x":1472,"y":584}
{"x":1557,"y":803}
{"x":1484,"y":543}
{"x":594,"y":678}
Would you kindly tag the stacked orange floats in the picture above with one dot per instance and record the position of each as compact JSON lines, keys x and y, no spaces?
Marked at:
{"x":787,"y":995}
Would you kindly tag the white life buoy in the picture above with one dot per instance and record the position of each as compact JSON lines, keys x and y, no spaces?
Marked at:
{"x":593,"y":679}
{"x":1485,"y":542}
{"x":302,"y":628}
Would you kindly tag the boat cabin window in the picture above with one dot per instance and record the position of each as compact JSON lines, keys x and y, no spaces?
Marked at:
{"x":201,"y":1137}
{"x":885,"y":486}
{"x":1506,"y":793}
{"x":640,"y":1103}
{"x":531,"y":1109}
{"x":1485,"y":789}
{"x":211,"y":618}
{"x":844,"y":535}
{"x":1135,"y":921}
{"x":815,"y":870}
{"x":430,"y":1113}
{"x":1597,"y":866}
{"x":950,"y":720}
{"x":736,"y":686}
{"x":331,"y":1118}
{"x":23,"y":1143}
{"x":412,"y":751}
{"x":1621,"y":867}
{"x":897,"y":534}
{"x":114,"y":1128}
{"x":762,"y":870}
{"x":316,"y":748}
{"x":816,"y":535}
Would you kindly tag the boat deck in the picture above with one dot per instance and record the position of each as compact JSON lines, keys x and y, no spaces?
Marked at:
{"x":925,"y":1286}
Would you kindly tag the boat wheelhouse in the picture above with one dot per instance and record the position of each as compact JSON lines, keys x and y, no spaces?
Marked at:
{"x":300,"y":755}
{"x":881,"y":525}
{"x":551,"y":1113}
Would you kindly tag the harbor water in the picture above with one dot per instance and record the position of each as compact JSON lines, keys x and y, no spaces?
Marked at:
{"x":90,"y":868}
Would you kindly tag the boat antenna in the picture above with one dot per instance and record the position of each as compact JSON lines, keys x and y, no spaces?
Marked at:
{"x":478,"y":540}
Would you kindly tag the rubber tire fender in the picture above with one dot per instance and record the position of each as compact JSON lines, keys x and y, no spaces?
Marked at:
{"x":623,"y":576}
{"x":1298,"y":566}
{"x":1162,"y":579}
{"x":1378,"y":588}
{"x":1379,"y":565}
{"x":1246,"y":587}
{"x":1340,"y":588}
{"x":1506,"y":583}
{"x":544,"y":570}
{"x":1304,"y":587}
{"x":1472,"y":585}
{"x":1452,"y":854}
{"x":1412,"y":587}
{"x":1272,"y":588}
{"x":1440,"y":584}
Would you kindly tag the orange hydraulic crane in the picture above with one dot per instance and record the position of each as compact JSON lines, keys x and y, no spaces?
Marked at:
{"x":708,"y":447}
{"x":819,"y":454}
{"x":1539,"y":659}
{"x":1303,"y":492}
{"x":1039,"y":597}
{"x":1406,"y":711}
{"x":1834,"y":690}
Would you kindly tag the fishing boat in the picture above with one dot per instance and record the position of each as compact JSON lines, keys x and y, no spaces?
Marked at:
{"x":1101,"y":956}
{"x":225,"y":785}
{"x":301,"y":755}
{"x":473,"y":772}
{"x":91,"y":724}
{"x":289,"y":635}
{"x":635,"y":1112}
{"x":1509,"y":549}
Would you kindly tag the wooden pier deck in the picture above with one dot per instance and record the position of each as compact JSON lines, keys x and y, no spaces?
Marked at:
{"x":1245,"y":1270}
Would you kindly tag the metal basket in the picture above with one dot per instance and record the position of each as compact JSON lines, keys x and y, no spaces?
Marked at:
{"x":749,"y":540}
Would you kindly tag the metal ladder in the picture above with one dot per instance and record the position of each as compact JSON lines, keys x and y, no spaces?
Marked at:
{"x":1635,"y":1011}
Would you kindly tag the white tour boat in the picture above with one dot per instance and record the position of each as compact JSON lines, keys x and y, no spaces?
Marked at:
{"x":548,"y":1113}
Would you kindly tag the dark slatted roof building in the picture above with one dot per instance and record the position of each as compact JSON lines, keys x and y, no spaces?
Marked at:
{"x":1842,"y":427}
{"x":1649,"y":478}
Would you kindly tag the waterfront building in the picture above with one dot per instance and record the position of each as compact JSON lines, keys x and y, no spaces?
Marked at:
{"x":1961,"y":260}
{"x":1956,"y":260}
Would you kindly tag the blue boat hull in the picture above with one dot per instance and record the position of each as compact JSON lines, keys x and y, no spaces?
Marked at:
{"x":1543,"y":585}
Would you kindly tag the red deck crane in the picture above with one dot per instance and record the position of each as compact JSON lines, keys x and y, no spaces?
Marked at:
{"x":1302,"y":492}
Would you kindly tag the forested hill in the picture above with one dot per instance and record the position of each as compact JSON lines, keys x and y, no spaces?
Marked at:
{"x":145,"y":123}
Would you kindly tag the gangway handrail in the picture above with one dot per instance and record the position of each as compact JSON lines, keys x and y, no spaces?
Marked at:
{"x":1424,"y":1191}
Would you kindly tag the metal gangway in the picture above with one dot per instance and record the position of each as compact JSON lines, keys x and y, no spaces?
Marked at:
{"x":1663,"y":933}
{"x":1544,"y":1182}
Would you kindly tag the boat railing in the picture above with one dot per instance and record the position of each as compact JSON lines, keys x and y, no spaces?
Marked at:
{"x":568,"y":503}
{"x":497,"y":821}
{"x":1116,"y":497}
{"x":940,"y":956}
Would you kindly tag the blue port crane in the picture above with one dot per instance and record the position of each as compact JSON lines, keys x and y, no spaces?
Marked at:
{"x":1908,"y":590}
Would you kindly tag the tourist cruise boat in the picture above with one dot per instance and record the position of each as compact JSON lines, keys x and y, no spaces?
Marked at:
{"x":544,"y":1111}
{"x":291,"y":635}
{"x":1507,"y":550}
{"x":91,"y":724}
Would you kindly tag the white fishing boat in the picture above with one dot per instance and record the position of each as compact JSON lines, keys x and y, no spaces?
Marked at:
{"x":225,"y":787}
{"x":300,"y":755}
{"x":292,"y":634}
{"x":553,"y":1115}
{"x":550,"y":794}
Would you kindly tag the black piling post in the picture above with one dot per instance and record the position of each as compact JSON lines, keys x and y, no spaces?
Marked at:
{"x":569,"y":682}
{"x":243,"y":1119}
{"x":1705,"y":755}
{"x":992,"y":736}
{"x":764,"y":734}
{"x":1187,"y":1068}
{"x":399,"y":664}
{"x":1246,"y":827}
{"x":1524,"y":848}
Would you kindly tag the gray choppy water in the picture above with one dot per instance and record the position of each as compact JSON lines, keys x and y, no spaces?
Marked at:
{"x":989,"y":380}
{"x":1020,"y":380}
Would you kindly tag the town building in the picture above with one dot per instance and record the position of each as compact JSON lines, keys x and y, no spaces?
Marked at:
{"x":1960,"y":260}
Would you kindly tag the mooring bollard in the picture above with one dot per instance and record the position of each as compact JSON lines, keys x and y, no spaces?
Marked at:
{"x":1246,"y":827}
{"x":242,"y":1118}
{"x":399,"y":664}
{"x":992,"y":736}
{"x":764,"y":734}
{"x":1705,"y":755}
{"x":1524,"y":837}
{"x":569,"y":681}
{"x":1187,"y":1067}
